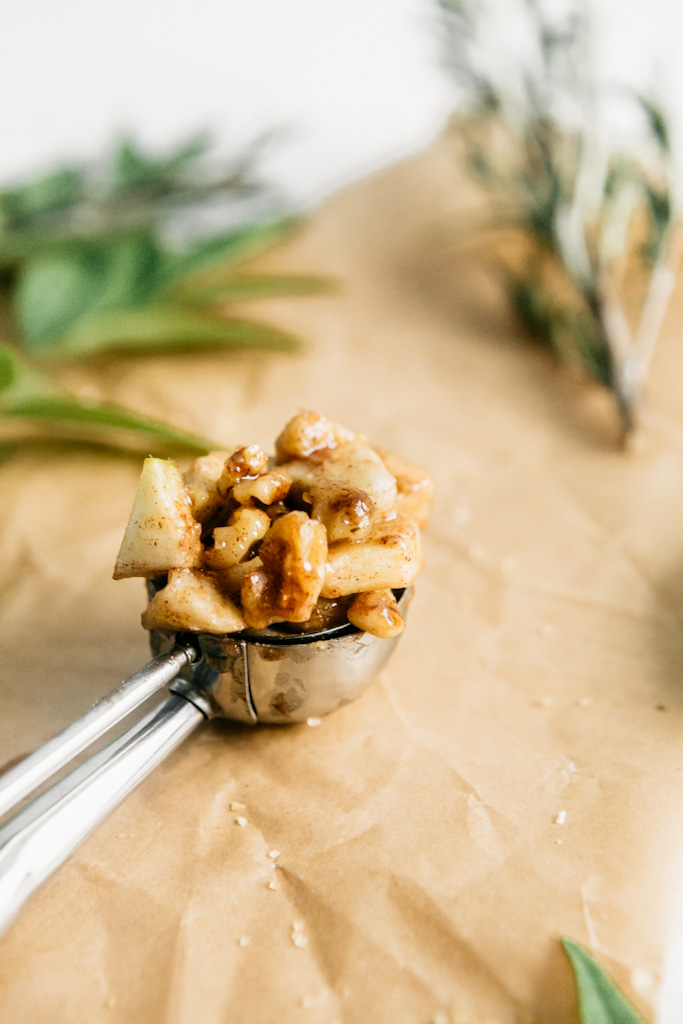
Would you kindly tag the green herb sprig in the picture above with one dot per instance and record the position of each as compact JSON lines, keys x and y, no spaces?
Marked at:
{"x":595,"y":216}
{"x":600,"y":1001}
{"x":33,"y":408}
{"x":116,"y":258}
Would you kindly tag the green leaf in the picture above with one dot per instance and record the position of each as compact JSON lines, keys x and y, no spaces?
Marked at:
{"x":63,"y":411}
{"x":130,"y":268}
{"x":240,"y":289}
{"x":46,"y":195}
{"x":232,"y":247}
{"x":600,"y":1001}
{"x":9,"y":368}
{"x":531,"y":303}
{"x":90,"y":266}
{"x":19,"y":379}
{"x":57,"y":291}
{"x":134,"y":171}
{"x":166,"y":329}
{"x":27,"y":397}
{"x":53,"y":292}
{"x":657,"y":122}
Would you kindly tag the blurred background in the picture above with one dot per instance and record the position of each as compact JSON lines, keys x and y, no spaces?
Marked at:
{"x":353,"y":84}
{"x":346,"y":87}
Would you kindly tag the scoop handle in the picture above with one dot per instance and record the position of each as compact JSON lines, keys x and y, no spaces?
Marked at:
{"x":40,"y":837}
{"x":56,"y":753}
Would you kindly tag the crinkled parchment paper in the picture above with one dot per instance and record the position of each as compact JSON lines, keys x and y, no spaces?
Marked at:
{"x":515,"y":774}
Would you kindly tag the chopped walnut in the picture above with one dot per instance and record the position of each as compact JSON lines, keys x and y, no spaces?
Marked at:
{"x":250,"y":460}
{"x":377,"y":612}
{"x":277,"y":509}
{"x":327,"y":614}
{"x":233,"y":542}
{"x":232,"y":578}
{"x":268,"y":488}
{"x":309,"y":432}
{"x":258,"y":600}
{"x":293,"y":554}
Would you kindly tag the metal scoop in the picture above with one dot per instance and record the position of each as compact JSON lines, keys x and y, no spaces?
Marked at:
{"x":251,"y":677}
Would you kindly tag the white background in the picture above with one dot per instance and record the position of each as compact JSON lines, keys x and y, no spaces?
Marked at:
{"x":356,"y":82}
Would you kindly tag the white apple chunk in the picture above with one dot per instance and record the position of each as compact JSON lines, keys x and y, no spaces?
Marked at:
{"x":348,"y":487}
{"x":389,"y":558}
{"x":201,"y":483}
{"x":161,"y":533}
{"x":415,"y":488}
{"x":192,"y":601}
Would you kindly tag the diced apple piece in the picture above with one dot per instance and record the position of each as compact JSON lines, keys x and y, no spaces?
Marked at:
{"x":377,"y":612}
{"x":389,"y":558}
{"x":232,"y":542}
{"x":201,"y":483}
{"x":161,"y":533}
{"x":232,"y":578}
{"x":415,"y":488}
{"x":348,"y":487}
{"x":192,"y":601}
{"x":258,"y":599}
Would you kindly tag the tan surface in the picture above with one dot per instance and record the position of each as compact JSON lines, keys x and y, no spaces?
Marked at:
{"x":541,"y":672}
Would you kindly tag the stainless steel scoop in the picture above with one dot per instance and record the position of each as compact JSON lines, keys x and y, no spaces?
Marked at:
{"x":252,"y":677}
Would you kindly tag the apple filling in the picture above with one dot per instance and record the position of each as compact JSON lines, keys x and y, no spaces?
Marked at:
{"x":322,"y":533}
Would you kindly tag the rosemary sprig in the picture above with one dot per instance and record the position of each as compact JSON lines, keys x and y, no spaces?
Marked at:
{"x":32,"y":408}
{"x":594,"y":214}
{"x":117,"y":258}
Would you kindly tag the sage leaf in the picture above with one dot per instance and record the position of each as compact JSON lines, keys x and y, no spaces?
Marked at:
{"x":133,"y":171}
{"x":231,"y":247}
{"x":242,"y":289}
{"x":600,"y":1001}
{"x":9,"y":368}
{"x":106,"y":259}
{"x":52,"y":292}
{"x":58,"y":290}
{"x":88,"y":417}
{"x":27,"y":397}
{"x":46,"y":195}
{"x":166,"y":329}
{"x":130,"y":268}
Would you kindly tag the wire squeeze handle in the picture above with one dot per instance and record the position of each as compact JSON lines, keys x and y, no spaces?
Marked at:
{"x":43,"y":763}
{"x":40,"y":837}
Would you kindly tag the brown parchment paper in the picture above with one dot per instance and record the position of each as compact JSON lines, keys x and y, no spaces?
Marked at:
{"x":421,"y":851}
